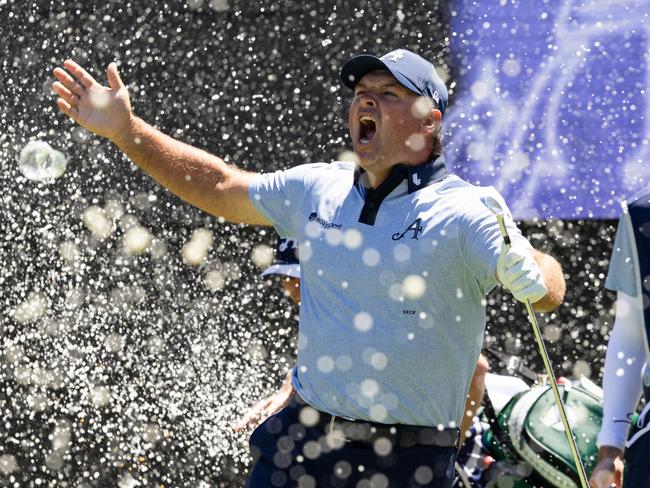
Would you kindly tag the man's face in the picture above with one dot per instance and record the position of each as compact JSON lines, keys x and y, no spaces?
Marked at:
{"x":388,"y":123}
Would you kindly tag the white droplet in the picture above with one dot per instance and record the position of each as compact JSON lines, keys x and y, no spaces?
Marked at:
{"x":127,"y":481}
{"x":113,"y":209}
{"x":552,"y":333}
{"x":31,"y":309}
{"x":313,"y":230}
{"x":158,"y":248}
{"x":136,"y":240}
{"x":379,"y":360}
{"x":305,"y":252}
{"x":214,"y":280}
{"x":127,"y":221}
{"x":378,"y":412}
{"x":262,"y":256}
{"x":151,"y":433}
{"x":194,"y":253}
{"x":413,"y":287}
{"x":369,"y":387}
{"x":219,"y":5}
{"x":423,"y":475}
{"x":415,"y":142}
{"x":96,"y":222}
{"x":100,"y":395}
{"x":363,"y":322}
{"x":402,"y":253}
{"x":620,"y":372}
{"x":8,"y":464}
{"x":349,"y":156}
{"x":333,"y":237}
{"x":511,"y":67}
{"x":114,"y":342}
{"x":371,"y":257}
{"x":325,"y":364}
{"x":203,"y":237}
{"x":99,"y":98}
{"x":69,"y":252}
{"x":352,"y":239}
{"x":581,"y":368}
{"x":421,"y":107}
{"x":39,"y":161}
{"x":479,"y":90}
{"x":308,"y":416}
{"x":383,"y":446}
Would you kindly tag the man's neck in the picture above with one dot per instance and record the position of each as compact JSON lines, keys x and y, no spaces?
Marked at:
{"x":376,"y":177}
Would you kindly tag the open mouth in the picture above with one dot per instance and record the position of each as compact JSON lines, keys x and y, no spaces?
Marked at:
{"x":367,"y":129}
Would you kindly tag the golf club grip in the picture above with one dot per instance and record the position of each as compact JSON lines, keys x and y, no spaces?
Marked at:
{"x":504,"y":231}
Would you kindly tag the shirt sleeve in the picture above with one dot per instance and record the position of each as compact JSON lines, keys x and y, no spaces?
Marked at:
{"x":481,"y":240}
{"x":622,"y":380}
{"x":280,"y":196}
{"x":622,"y":269}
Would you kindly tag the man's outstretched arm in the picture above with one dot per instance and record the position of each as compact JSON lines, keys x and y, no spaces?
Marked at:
{"x":196,"y":176}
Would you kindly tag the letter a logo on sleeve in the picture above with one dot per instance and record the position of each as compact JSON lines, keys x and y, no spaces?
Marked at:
{"x":416,"y":228}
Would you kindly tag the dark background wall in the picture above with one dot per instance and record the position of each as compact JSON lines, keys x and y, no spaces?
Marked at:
{"x":255,"y":82}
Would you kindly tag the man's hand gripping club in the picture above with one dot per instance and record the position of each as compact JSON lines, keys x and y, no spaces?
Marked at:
{"x":518,"y":271}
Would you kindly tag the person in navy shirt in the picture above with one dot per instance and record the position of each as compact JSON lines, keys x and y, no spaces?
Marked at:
{"x":626,"y":377}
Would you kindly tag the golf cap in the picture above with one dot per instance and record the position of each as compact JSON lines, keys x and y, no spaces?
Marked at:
{"x":411,"y":70}
{"x":286,"y":259}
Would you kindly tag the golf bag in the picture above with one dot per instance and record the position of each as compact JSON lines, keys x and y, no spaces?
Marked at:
{"x":521,"y":443}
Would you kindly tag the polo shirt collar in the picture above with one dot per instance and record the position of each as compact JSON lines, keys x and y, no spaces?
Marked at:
{"x":418,"y":177}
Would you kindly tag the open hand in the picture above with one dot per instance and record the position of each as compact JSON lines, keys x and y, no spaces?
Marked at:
{"x":104,"y":110}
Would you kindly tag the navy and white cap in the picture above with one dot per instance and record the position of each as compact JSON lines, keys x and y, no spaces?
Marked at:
{"x":286,"y":259}
{"x":411,"y":70}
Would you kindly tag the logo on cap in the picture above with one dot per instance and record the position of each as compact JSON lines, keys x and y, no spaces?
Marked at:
{"x":395,"y":57}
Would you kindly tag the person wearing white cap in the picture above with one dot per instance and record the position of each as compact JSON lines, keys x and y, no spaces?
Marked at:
{"x":397,"y":257}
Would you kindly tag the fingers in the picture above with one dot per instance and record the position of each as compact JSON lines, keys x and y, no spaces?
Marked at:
{"x":247,"y":420}
{"x":66,"y":108}
{"x":512,"y":255}
{"x":68,"y":82}
{"x":114,"y":79}
{"x":65,"y":94}
{"x":79,"y":73}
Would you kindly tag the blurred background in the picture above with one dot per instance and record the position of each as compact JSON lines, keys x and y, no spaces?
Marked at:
{"x":136,"y":329}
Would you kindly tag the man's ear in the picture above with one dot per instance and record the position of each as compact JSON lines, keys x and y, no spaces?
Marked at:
{"x":431,"y":121}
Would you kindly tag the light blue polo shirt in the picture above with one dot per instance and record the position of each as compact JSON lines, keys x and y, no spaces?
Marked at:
{"x":393,"y":311}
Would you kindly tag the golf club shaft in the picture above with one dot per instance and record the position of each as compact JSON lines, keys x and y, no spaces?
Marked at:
{"x":549,"y":371}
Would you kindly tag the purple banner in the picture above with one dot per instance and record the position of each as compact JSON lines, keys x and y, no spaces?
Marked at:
{"x":552,"y":107}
